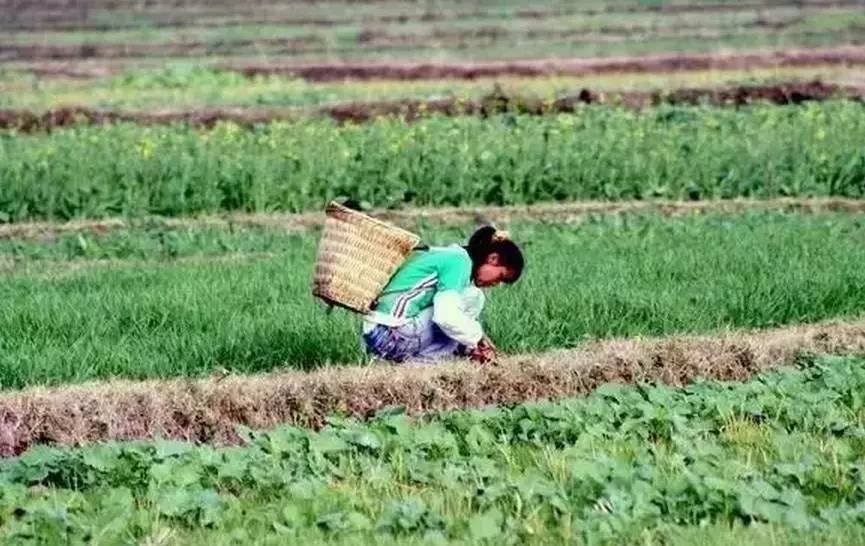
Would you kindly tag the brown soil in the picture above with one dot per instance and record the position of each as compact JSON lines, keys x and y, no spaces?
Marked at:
{"x":26,"y":121}
{"x":371,"y":39}
{"x":463,"y":39}
{"x":76,"y":6}
{"x":560,"y":213}
{"x":497,"y":102}
{"x":59,"y":20}
{"x":847,"y":55}
{"x":209,"y":410}
{"x":745,"y":60}
{"x":16,"y":52}
{"x":183,"y":14}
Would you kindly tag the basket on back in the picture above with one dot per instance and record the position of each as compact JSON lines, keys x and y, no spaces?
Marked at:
{"x":357,"y":256}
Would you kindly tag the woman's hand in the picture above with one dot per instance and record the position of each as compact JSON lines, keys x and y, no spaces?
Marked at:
{"x":484,"y":353}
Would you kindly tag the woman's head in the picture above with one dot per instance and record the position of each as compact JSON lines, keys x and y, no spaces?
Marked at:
{"x":495,"y":258}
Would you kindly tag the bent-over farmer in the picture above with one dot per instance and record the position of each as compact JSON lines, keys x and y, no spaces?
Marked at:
{"x":430,"y":308}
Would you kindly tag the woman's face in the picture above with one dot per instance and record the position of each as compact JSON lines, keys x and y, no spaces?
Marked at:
{"x":492,"y":273}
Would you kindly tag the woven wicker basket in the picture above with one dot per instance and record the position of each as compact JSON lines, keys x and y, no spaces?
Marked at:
{"x":357,"y":256}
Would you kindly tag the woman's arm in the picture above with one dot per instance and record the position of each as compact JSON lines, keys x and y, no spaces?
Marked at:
{"x":454,"y":322}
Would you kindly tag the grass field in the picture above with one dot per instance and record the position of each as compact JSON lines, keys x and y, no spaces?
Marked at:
{"x":160,"y":303}
{"x":776,"y":459}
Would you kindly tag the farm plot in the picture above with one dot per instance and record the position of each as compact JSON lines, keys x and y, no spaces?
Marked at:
{"x":218,"y":408}
{"x":776,"y":457}
{"x":681,"y":152}
{"x":447,"y":32}
{"x":497,"y":101}
{"x":155,"y":271}
{"x":147,"y":92}
{"x":483,"y":44}
{"x":163,"y":302}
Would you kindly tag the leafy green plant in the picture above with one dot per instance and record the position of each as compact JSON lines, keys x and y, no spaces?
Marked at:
{"x":583,"y":469}
{"x":672,"y":153}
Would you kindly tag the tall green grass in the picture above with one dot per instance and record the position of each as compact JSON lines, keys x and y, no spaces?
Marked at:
{"x":597,"y":153}
{"x":241,"y":300}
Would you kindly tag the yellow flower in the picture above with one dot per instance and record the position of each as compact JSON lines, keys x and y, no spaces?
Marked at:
{"x":145,"y":147}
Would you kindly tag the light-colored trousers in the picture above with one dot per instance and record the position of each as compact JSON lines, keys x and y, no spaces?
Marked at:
{"x":420,"y":339}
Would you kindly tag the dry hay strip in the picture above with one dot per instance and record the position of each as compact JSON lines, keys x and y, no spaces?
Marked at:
{"x":850,"y":55}
{"x":498,"y":101}
{"x":210,"y":410}
{"x":561,"y":213}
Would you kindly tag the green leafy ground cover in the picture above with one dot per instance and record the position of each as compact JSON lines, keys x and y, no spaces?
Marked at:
{"x":779,"y":457}
{"x":505,"y":159}
{"x":185,"y":302}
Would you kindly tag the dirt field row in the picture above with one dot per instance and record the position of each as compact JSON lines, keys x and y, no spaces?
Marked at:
{"x":378,"y":40}
{"x":497,"y":102}
{"x":77,"y":16}
{"x":852,"y":56}
{"x":847,"y":55}
{"x":76,"y":6}
{"x":27,"y":121}
{"x":560,"y":213}
{"x":210,"y":409}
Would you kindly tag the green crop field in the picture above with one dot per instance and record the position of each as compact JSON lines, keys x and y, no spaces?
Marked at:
{"x":776,"y":459}
{"x":161,"y":303}
{"x":597,"y":153}
{"x":681,"y":362}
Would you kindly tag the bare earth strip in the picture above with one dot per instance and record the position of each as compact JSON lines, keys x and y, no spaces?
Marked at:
{"x":850,"y":55}
{"x":551,"y":212}
{"x":43,"y":16}
{"x":27,"y":121}
{"x":842,"y":55}
{"x":377,"y":40}
{"x":211,"y":409}
{"x":499,"y":101}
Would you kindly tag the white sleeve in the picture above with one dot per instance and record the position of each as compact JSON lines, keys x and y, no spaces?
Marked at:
{"x":454,"y":322}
